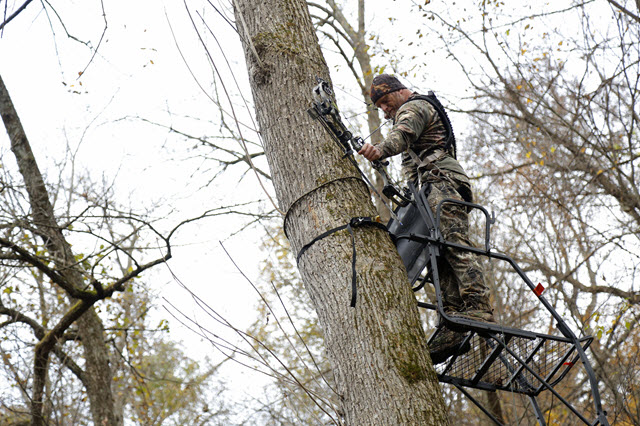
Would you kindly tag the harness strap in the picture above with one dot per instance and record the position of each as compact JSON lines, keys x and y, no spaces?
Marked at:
{"x":450,"y":143}
{"x":353,"y":222}
{"x":438,"y":154}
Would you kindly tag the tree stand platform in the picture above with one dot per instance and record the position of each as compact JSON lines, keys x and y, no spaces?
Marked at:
{"x":500,"y":358}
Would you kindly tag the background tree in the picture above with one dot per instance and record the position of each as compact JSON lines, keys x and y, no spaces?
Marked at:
{"x":555,"y":135}
{"x":44,"y":275}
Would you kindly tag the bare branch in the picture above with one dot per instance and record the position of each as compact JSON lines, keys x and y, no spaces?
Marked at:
{"x":625,"y":10}
{"x":14,"y":14}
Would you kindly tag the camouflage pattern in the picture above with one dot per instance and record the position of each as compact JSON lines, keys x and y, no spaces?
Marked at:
{"x":461,"y":275}
{"x":418,"y":126}
{"x":384,"y":84}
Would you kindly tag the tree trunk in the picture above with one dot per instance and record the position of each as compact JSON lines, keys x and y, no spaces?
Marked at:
{"x":378,"y":349}
{"x":98,"y":373}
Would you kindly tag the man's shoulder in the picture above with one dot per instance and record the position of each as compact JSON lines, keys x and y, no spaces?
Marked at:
{"x":417,"y":104}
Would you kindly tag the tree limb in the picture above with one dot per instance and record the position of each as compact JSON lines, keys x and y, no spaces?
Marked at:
{"x":14,"y":14}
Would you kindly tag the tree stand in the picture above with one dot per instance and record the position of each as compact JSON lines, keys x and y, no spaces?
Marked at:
{"x":501,"y":358}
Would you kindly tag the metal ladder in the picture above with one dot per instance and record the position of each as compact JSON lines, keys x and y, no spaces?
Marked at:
{"x":501,"y":358}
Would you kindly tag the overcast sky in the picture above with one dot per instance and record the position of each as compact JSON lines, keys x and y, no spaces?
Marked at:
{"x":150,"y":66}
{"x":69,"y":99}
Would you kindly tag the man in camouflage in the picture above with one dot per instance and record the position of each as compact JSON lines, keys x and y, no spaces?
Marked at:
{"x":420,"y":135}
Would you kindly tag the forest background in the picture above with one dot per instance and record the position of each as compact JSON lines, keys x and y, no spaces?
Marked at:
{"x":136,"y":114}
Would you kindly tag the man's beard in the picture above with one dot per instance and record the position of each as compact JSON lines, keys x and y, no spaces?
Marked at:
{"x":390,"y":115}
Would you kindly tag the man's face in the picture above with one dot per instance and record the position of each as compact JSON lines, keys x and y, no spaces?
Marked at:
{"x":390,"y":103}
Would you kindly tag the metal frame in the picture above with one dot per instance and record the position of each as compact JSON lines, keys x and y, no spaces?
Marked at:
{"x":526,"y":373}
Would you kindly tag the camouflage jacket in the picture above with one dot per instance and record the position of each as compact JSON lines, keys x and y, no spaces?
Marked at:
{"x":418,"y":126}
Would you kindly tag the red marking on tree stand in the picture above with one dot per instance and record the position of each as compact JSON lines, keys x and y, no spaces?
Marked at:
{"x":538,"y":290}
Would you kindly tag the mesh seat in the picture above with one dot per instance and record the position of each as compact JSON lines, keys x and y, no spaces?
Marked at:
{"x":514,"y":363}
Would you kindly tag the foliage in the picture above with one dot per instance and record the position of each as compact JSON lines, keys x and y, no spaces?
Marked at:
{"x":288,"y":330}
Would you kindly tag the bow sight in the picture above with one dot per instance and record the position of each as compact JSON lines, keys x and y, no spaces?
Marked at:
{"x":325,"y":110}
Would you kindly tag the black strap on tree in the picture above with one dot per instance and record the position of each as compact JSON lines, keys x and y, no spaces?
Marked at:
{"x":435,"y":103}
{"x":353,"y":222}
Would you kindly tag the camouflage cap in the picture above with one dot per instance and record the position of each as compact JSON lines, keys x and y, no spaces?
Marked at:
{"x":384,"y":84}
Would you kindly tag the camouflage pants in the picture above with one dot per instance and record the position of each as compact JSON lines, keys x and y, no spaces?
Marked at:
{"x":461,"y":275}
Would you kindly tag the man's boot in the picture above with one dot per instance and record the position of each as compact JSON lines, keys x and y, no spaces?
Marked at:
{"x":447,"y":343}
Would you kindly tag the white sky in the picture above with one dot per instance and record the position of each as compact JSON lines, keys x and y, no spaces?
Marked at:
{"x":138,"y":72}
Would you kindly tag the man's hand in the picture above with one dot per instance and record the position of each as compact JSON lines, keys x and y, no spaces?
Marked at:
{"x":370,"y":152}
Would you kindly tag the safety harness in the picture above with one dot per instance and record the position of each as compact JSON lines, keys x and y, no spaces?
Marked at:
{"x":450,"y":144}
{"x":429,"y":161}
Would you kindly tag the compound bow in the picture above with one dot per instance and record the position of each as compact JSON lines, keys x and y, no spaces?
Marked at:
{"x":325,"y":110}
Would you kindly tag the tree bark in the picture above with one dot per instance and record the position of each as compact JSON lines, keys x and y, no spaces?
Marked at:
{"x":98,"y":373}
{"x":378,"y":349}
